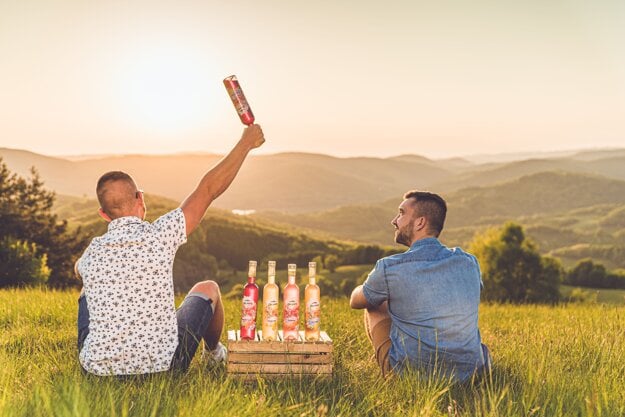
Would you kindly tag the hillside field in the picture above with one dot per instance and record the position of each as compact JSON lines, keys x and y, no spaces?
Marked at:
{"x":548,"y":361}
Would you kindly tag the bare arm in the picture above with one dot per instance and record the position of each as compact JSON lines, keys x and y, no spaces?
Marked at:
{"x":358,"y":300}
{"x":82,"y":290}
{"x":219,"y":178}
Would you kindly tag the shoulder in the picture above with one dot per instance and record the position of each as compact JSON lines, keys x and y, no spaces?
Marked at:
{"x":171,"y":216}
{"x":460,"y":253}
{"x":169,"y":220}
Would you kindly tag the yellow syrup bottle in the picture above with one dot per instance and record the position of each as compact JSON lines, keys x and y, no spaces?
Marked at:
{"x":312,"y":301}
{"x":270,"y":304}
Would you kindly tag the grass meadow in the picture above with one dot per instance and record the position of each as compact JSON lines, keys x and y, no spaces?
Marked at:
{"x":566,"y":360}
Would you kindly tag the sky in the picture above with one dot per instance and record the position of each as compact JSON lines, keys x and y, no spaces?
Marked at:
{"x":346,"y":78}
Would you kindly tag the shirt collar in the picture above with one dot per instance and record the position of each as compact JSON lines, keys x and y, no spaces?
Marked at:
{"x":428,"y":241}
{"x":123,"y":221}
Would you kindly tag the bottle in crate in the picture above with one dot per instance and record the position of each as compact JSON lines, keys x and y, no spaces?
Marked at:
{"x":290,"y":313}
{"x":250,"y":301}
{"x":270,"y":304}
{"x":312,"y":302}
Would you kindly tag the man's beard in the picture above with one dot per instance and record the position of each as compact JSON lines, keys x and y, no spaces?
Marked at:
{"x":404,"y":236}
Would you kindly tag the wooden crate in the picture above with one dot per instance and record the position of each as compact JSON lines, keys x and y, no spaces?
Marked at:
{"x":250,"y":358}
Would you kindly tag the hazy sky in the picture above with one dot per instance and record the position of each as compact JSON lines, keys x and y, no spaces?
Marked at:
{"x":357,"y":77}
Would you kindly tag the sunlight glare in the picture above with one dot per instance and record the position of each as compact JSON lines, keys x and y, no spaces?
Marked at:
{"x":164,"y":89}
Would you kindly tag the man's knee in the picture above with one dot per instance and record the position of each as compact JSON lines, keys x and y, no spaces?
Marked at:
{"x":208,"y":288}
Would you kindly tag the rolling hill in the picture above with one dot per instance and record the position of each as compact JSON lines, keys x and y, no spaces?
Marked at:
{"x":559,"y":210}
{"x":293,"y":182}
{"x":572,"y":204}
{"x":301,"y":182}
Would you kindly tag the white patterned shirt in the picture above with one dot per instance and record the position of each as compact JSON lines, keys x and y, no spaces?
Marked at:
{"x":127,"y":276}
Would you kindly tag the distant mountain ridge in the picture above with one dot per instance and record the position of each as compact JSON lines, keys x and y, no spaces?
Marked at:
{"x":289,"y":181}
{"x":303,"y":182}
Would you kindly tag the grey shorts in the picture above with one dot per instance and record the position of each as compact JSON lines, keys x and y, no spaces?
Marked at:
{"x":194,"y":315}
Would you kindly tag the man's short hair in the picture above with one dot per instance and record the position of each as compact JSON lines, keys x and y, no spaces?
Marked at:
{"x":115,"y":204}
{"x":432,"y":207}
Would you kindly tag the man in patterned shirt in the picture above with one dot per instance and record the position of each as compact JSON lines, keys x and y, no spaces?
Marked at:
{"x":127,"y":321}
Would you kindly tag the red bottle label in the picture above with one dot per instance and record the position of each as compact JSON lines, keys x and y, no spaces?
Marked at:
{"x":239,"y":101}
{"x":248,"y":316}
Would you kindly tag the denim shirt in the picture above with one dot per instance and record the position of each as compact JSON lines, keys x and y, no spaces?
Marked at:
{"x":433,"y":293}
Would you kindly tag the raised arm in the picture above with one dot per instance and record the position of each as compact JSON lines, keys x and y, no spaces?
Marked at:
{"x":219,"y":178}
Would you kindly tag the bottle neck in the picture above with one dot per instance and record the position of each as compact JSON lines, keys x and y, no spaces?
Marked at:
{"x":312,"y":280}
{"x":271,"y":279}
{"x":251,"y":280}
{"x":292,"y":279}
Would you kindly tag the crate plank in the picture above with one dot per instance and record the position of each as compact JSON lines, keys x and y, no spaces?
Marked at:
{"x":236,"y":357}
{"x":269,"y":347}
{"x":260,"y":368}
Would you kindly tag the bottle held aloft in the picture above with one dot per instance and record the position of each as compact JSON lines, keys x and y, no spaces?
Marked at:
{"x":250,"y":301}
{"x":312,"y":302}
{"x":238,"y":99}
{"x":270,"y":304}
{"x":290,"y":312}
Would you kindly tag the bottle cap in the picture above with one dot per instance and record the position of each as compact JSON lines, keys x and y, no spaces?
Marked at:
{"x":252,"y":269}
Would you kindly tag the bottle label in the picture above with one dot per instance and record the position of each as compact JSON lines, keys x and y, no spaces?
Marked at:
{"x":248,"y":316}
{"x":271,"y":313}
{"x":240,"y":103}
{"x":291,"y":315}
{"x":313,"y":315}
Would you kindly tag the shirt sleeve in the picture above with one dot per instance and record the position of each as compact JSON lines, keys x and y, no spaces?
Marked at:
{"x":375,"y":288}
{"x":172,"y":227}
{"x":479,"y":271}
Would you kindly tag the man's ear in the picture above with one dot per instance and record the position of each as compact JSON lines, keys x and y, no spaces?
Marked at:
{"x":104,"y":215}
{"x":420,"y":223}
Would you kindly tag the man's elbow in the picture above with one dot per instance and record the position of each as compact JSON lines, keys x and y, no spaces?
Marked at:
{"x":358,"y":300}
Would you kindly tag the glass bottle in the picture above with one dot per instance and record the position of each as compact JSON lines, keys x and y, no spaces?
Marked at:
{"x":250,"y":301}
{"x":312,"y":302}
{"x":270,"y":304}
{"x":290,"y":314}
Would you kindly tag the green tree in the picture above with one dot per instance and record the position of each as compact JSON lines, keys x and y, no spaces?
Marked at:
{"x":512,"y":268}
{"x":26,"y":215}
{"x":20,"y":264}
{"x":592,"y":274}
{"x":331,"y":262}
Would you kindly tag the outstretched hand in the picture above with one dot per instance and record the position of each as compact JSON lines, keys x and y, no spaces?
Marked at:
{"x":253,"y":136}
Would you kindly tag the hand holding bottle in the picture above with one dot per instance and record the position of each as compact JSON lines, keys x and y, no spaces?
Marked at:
{"x":253,"y":136}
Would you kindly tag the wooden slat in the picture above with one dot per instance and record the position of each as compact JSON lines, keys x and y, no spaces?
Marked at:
{"x":232,"y":336}
{"x":323,"y":337}
{"x":279,"y":358}
{"x":278,"y":347}
{"x":277,"y":376}
{"x":247,"y":368}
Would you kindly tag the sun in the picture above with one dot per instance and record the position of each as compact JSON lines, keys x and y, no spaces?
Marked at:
{"x":163,"y":89}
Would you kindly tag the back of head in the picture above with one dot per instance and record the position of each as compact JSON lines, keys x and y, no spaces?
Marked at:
{"x":117,"y":193}
{"x":432,"y":207}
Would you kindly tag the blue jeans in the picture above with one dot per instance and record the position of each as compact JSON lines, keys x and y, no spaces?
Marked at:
{"x":194,"y":315}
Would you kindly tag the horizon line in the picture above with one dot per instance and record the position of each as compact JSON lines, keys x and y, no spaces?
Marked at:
{"x":89,"y":156}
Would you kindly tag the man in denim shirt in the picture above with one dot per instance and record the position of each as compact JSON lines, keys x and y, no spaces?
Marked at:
{"x":422,"y":305}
